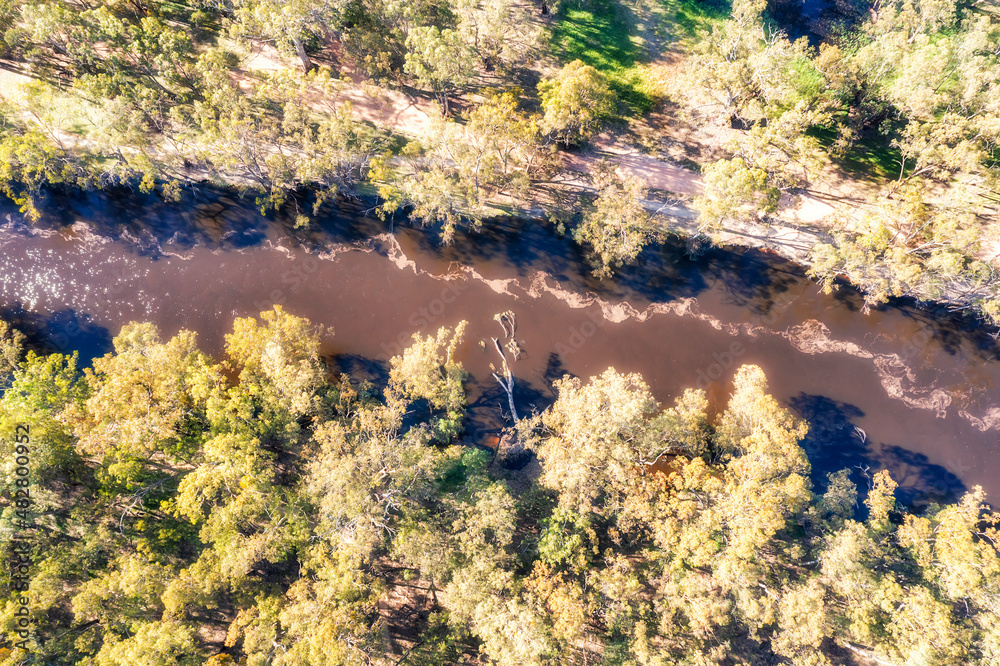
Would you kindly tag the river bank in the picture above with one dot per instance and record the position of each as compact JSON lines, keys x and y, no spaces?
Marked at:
{"x":673,"y":218}
{"x":805,"y":220}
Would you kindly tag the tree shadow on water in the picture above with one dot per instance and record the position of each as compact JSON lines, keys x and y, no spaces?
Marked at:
{"x":524,"y":247}
{"x":151,"y":226}
{"x":662,"y":272}
{"x":221,"y":219}
{"x":63,"y":332}
{"x":205,"y":215}
{"x":834,"y":442}
{"x":554,"y":371}
{"x":515,"y":247}
{"x":362,"y":369}
{"x":954,"y":332}
{"x":753,"y":278}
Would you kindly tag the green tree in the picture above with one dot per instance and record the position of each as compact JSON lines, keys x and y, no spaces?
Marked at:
{"x":618,"y":225}
{"x":501,"y":33}
{"x":30,"y":159}
{"x":274,"y":155}
{"x":427,"y":370}
{"x":154,"y":644}
{"x":11,"y":348}
{"x":280,"y":370}
{"x":576,"y":102}
{"x":439,"y":60}
{"x":147,"y":404}
{"x":596,"y":440}
{"x":734,"y":192}
{"x":907,"y":244}
{"x":43,"y":391}
{"x":460,"y":171}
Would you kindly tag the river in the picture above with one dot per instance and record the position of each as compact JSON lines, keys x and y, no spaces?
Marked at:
{"x":895,"y":388}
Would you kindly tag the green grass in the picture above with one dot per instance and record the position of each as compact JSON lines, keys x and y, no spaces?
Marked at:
{"x":600,"y":37}
{"x":696,"y":16}
{"x":601,"y":34}
{"x":993,"y":159}
{"x":872,"y":157}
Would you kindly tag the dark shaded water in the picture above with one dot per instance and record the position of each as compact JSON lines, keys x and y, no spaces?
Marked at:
{"x":895,"y":388}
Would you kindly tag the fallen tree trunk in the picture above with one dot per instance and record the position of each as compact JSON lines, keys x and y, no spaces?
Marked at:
{"x":507,"y":381}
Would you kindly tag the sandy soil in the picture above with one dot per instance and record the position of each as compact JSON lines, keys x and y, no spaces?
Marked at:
{"x":657,"y":174}
{"x":10,"y":82}
{"x":392,"y":109}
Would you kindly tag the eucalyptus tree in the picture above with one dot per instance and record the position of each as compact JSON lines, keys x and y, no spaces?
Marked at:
{"x":289,"y":26}
{"x":735,"y":192}
{"x":617,"y":226}
{"x":576,"y":102}
{"x":461,"y":172}
{"x":147,"y":405}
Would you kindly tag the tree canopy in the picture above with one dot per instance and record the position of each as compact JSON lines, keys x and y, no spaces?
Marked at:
{"x":263,"y":509}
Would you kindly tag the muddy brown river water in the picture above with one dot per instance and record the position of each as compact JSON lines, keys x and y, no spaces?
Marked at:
{"x":896,"y":388}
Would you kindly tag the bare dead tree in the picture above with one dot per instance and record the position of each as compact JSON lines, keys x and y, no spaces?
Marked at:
{"x":505,"y":378}
{"x":505,"y":318}
{"x":503,"y":375}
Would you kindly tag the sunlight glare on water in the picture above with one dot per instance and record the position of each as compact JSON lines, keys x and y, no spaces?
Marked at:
{"x":45,"y":280}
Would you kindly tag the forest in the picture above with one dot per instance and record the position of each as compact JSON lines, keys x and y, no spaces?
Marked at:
{"x":888,"y":111}
{"x":264,"y":509}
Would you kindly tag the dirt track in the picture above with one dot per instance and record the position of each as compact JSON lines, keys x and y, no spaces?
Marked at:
{"x":415,"y":116}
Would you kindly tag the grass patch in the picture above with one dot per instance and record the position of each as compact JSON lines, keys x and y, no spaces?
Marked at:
{"x":872,"y":157}
{"x":600,"y":36}
{"x":694,"y":17}
{"x":993,"y":159}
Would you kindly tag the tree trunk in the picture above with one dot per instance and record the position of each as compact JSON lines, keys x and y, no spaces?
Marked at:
{"x":507,"y":382}
{"x":868,"y":654}
{"x":300,"y":49}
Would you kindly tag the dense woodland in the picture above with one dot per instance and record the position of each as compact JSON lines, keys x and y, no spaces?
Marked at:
{"x":897,"y":98}
{"x":261,"y":509}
